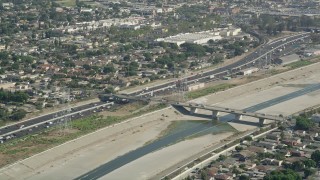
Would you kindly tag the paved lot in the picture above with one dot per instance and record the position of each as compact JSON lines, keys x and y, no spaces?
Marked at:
{"x":79,"y":156}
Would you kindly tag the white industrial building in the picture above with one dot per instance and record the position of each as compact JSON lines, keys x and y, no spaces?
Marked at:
{"x":248,"y":71}
{"x":201,"y":37}
{"x":194,"y":87}
{"x":197,"y":38}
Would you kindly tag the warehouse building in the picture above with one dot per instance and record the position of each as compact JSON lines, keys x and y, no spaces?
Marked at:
{"x":201,"y":37}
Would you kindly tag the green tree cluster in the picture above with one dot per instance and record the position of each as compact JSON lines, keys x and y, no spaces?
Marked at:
{"x":17,"y":96}
{"x":303,"y":123}
{"x":316,"y":156}
{"x":287,"y":174}
{"x":194,"y":49}
{"x":16,"y":115}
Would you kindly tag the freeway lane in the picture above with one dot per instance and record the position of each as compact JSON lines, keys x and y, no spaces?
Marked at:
{"x":167,"y":140}
{"x":23,"y":126}
{"x":247,"y":61}
{"x":58,"y":120}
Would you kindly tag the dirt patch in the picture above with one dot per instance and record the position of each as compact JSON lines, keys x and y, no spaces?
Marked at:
{"x":61,"y":132}
{"x":124,"y":110}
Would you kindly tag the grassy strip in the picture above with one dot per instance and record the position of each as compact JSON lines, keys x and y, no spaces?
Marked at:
{"x":209,"y":90}
{"x":29,"y":145}
{"x":66,"y":3}
{"x":89,"y":125}
{"x":298,"y":64}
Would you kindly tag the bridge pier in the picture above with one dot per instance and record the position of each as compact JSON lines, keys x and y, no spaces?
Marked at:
{"x":237,"y":117}
{"x":215,"y":115}
{"x":261,"y":121}
{"x":193,"y":110}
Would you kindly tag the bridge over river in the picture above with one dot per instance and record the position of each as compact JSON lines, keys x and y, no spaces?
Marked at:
{"x":216,"y":110}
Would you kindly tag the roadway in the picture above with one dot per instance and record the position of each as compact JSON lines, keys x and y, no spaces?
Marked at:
{"x":227,"y":110}
{"x":249,"y":61}
{"x":230,"y":111}
{"x":38,"y":123}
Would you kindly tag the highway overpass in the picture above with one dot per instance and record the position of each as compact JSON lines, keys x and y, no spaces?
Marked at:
{"x":216,"y":110}
{"x":237,"y":113}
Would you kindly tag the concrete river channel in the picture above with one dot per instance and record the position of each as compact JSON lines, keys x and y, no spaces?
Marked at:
{"x":184,"y":130}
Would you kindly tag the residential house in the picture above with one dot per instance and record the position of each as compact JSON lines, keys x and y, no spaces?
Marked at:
{"x":297,"y":153}
{"x":212,"y":171}
{"x":273,"y":136}
{"x":265,"y":144}
{"x":292,"y":141}
{"x":285,"y":152}
{"x":222,"y":177}
{"x":256,"y":149}
{"x":269,"y":161}
{"x":300,"y":133}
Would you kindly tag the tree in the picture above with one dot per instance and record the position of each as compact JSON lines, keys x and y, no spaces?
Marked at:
{"x":239,"y":148}
{"x":4,"y":114}
{"x":303,"y":123}
{"x":310,"y":163}
{"x":126,"y":58}
{"x":148,"y":56}
{"x":308,"y":172}
{"x":109,"y":68}
{"x":204,"y":175}
{"x":211,"y":41}
{"x":221,"y":158}
{"x":18,"y":115}
{"x":242,"y":166}
{"x":248,"y":138}
{"x":315,"y":38}
{"x":284,"y":174}
{"x":86,"y":67}
{"x":316,"y":156}
{"x":244,"y":177}
{"x":18,"y":96}
{"x":297,"y":165}
{"x":109,"y":90}
{"x":194,"y":49}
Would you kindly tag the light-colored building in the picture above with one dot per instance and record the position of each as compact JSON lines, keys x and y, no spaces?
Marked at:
{"x":248,"y":71}
{"x":196,"y":38}
{"x":201,"y":37}
{"x":195,"y":86}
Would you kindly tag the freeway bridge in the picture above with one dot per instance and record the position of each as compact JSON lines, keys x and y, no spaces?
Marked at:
{"x":216,"y":110}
